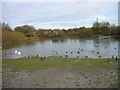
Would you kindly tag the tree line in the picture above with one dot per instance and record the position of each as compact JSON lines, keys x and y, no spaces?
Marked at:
{"x":22,"y":33}
{"x":103,"y":28}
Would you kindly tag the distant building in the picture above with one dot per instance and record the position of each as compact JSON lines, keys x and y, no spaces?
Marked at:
{"x":55,"y":31}
{"x":46,"y":32}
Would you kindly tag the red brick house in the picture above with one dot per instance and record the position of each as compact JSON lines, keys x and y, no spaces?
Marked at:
{"x":55,"y":31}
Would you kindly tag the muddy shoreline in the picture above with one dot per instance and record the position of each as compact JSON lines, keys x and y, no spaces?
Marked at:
{"x":70,"y":77}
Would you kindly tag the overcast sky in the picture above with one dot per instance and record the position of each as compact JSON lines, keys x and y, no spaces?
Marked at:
{"x":58,"y":14}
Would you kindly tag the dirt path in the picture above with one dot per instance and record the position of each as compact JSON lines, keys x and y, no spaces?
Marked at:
{"x":69,"y":77}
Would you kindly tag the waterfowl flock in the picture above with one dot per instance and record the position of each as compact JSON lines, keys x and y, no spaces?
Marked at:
{"x":67,"y":54}
{"x":79,"y":51}
{"x":16,"y":52}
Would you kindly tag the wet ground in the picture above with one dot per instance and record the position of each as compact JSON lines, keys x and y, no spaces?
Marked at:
{"x":69,"y":77}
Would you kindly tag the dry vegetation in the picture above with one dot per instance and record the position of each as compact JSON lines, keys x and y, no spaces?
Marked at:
{"x":9,"y":37}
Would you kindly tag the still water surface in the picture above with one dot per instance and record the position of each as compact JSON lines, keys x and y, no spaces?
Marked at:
{"x":105,"y":47}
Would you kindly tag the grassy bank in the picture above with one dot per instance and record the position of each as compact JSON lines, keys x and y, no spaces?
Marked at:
{"x":37,"y":63}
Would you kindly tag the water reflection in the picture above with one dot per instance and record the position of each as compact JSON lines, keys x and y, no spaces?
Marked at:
{"x":102,"y":47}
{"x":58,"y":40}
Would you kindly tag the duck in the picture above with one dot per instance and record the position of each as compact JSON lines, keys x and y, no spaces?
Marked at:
{"x":81,"y":49}
{"x":66,"y":56}
{"x":105,"y":47}
{"x":78,"y":52}
{"x":99,"y":56}
{"x":37,"y":55}
{"x":97,"y":52}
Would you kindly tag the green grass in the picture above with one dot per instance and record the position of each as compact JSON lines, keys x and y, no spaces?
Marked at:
{"x":32,"y":64}
{"x":113,"y":85}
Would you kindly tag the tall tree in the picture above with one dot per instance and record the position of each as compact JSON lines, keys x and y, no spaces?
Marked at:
{"x":96,"y":27}
{"x":25,"y":29}
{"x":104,"y":26}
{"x":101,"y":27}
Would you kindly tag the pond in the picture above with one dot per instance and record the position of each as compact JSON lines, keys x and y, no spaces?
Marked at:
{"x":102,"y":47}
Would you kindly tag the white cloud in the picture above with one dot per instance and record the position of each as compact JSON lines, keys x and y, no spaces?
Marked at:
{"x":102,"y":18}
{"x":62,"y":24}
{"x":58,"y":15}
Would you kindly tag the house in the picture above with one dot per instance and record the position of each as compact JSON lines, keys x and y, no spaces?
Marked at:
{"x":47,"y":32}
{"x":55,"y":31}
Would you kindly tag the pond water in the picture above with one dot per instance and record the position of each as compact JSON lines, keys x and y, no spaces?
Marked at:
{"x":102,"y":47}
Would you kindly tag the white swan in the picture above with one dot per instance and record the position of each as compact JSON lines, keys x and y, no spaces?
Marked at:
{"x":16,"y":51}
{"x":19,"y":53}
